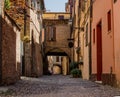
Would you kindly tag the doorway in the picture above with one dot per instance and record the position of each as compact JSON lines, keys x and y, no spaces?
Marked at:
{"x":99,"y":51}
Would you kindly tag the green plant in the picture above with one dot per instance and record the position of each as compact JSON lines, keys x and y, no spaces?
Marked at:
{"x":73,"y":65}
{"x":76,"y":72}
{"x":7,"y":4}
{"x":26,"y":39}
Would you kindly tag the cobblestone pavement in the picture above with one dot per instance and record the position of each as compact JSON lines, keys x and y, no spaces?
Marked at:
{"x":58,"y":86}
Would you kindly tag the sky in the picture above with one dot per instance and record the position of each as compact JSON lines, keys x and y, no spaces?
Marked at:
{"x":55,"y":5}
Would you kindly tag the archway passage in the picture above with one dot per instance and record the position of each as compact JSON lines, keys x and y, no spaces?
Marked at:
{"x":56,"y":62}
{"x":57,"y":32}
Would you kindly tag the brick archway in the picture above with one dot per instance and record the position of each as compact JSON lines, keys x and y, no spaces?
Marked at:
{"x":58,"y":51}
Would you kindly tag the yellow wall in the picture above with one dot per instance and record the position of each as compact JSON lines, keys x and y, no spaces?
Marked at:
{"x":84,"y":53}
{"x":65,"y":65}
{"x":51,"y":15}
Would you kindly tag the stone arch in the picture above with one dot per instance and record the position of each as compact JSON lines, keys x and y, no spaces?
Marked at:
{"x":59,"y":50}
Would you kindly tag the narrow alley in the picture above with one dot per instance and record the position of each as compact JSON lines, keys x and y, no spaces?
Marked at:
{"x":58,"y":86}
{"x":59,"y":48}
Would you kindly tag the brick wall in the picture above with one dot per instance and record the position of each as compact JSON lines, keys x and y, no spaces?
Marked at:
{"x":62,"y":34}
{"x":33,"y":57}
{"x":109,"y":79}
{"x":17,"y":7}
{"x":10,"y":51}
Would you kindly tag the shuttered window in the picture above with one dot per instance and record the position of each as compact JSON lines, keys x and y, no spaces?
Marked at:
{"x":51,"y":33}
{"x":54,"y":31}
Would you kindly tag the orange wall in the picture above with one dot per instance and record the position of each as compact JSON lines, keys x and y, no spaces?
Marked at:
{"x":116,"y":7}
{"x":100,"y":9}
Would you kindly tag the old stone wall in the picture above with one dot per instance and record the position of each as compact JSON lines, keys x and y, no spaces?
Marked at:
{"x":10,"y":51}
{"x":61,"y":42}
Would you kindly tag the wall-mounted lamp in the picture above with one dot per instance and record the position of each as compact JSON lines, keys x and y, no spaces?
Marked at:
{"x":70,"y":42}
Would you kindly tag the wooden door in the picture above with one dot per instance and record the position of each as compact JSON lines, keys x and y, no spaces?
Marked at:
{"x":99,"y":51}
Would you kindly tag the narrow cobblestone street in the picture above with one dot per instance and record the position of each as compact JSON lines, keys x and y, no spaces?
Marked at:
{"x":58,"y":86}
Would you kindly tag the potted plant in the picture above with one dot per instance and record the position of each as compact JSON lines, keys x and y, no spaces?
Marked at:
{"x":73,"y":65}
{"x":74,"y":70}
{"x":76,"y":73}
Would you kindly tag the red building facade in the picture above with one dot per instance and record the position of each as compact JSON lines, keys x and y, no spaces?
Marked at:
{"x":103,"y":65}
{"x":116,"y":15}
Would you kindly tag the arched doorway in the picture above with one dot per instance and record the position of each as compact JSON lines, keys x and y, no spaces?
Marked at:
{"x":57,"y":62}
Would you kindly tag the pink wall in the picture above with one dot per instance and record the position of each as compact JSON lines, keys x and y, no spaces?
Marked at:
{"x":116,"y":7}
{"x":100,"y":10}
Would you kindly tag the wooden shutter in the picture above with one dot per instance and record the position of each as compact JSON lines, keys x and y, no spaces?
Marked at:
{"x":54,"y":33}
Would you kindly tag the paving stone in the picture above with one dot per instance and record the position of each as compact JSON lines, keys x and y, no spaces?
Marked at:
{"x":59,"y":86}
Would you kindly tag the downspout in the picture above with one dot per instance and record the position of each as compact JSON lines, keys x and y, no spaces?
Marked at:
{"x":78,"y":44}
{"x":73,"y":31}
{"x":113,"y":69}
{"x":90,"y":51}
{"x":24,"y":44}
{"x":1,"y":1}
{"x":79,"y":10}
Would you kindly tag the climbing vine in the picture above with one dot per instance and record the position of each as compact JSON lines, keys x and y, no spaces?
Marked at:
{"x":7,"y":4}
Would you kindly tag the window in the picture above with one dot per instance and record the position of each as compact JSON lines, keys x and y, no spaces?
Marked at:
{"x":51,"y":33}
{"x":115,"y":1}
{"x":79,"y":4}
{"x":57,"y":59}
{"x":109,"y":20}
{"x":38,"y":6}
{"x":54,"y":33}
{"x":61,"y":17}
{"x":93,"y":36}
{"x":33,"y":4}
{"x":86,"y":38}
{"x":83,"y":5}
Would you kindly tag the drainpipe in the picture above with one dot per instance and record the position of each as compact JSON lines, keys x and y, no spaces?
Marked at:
{"x":24,"y":59}
{"x":112,"y":68}
{"x":112,"y":10}
{"x":25,"y":18}
{"x":1,"y":40}
{"x":90,"y":51}
{"x":78,"y":44}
